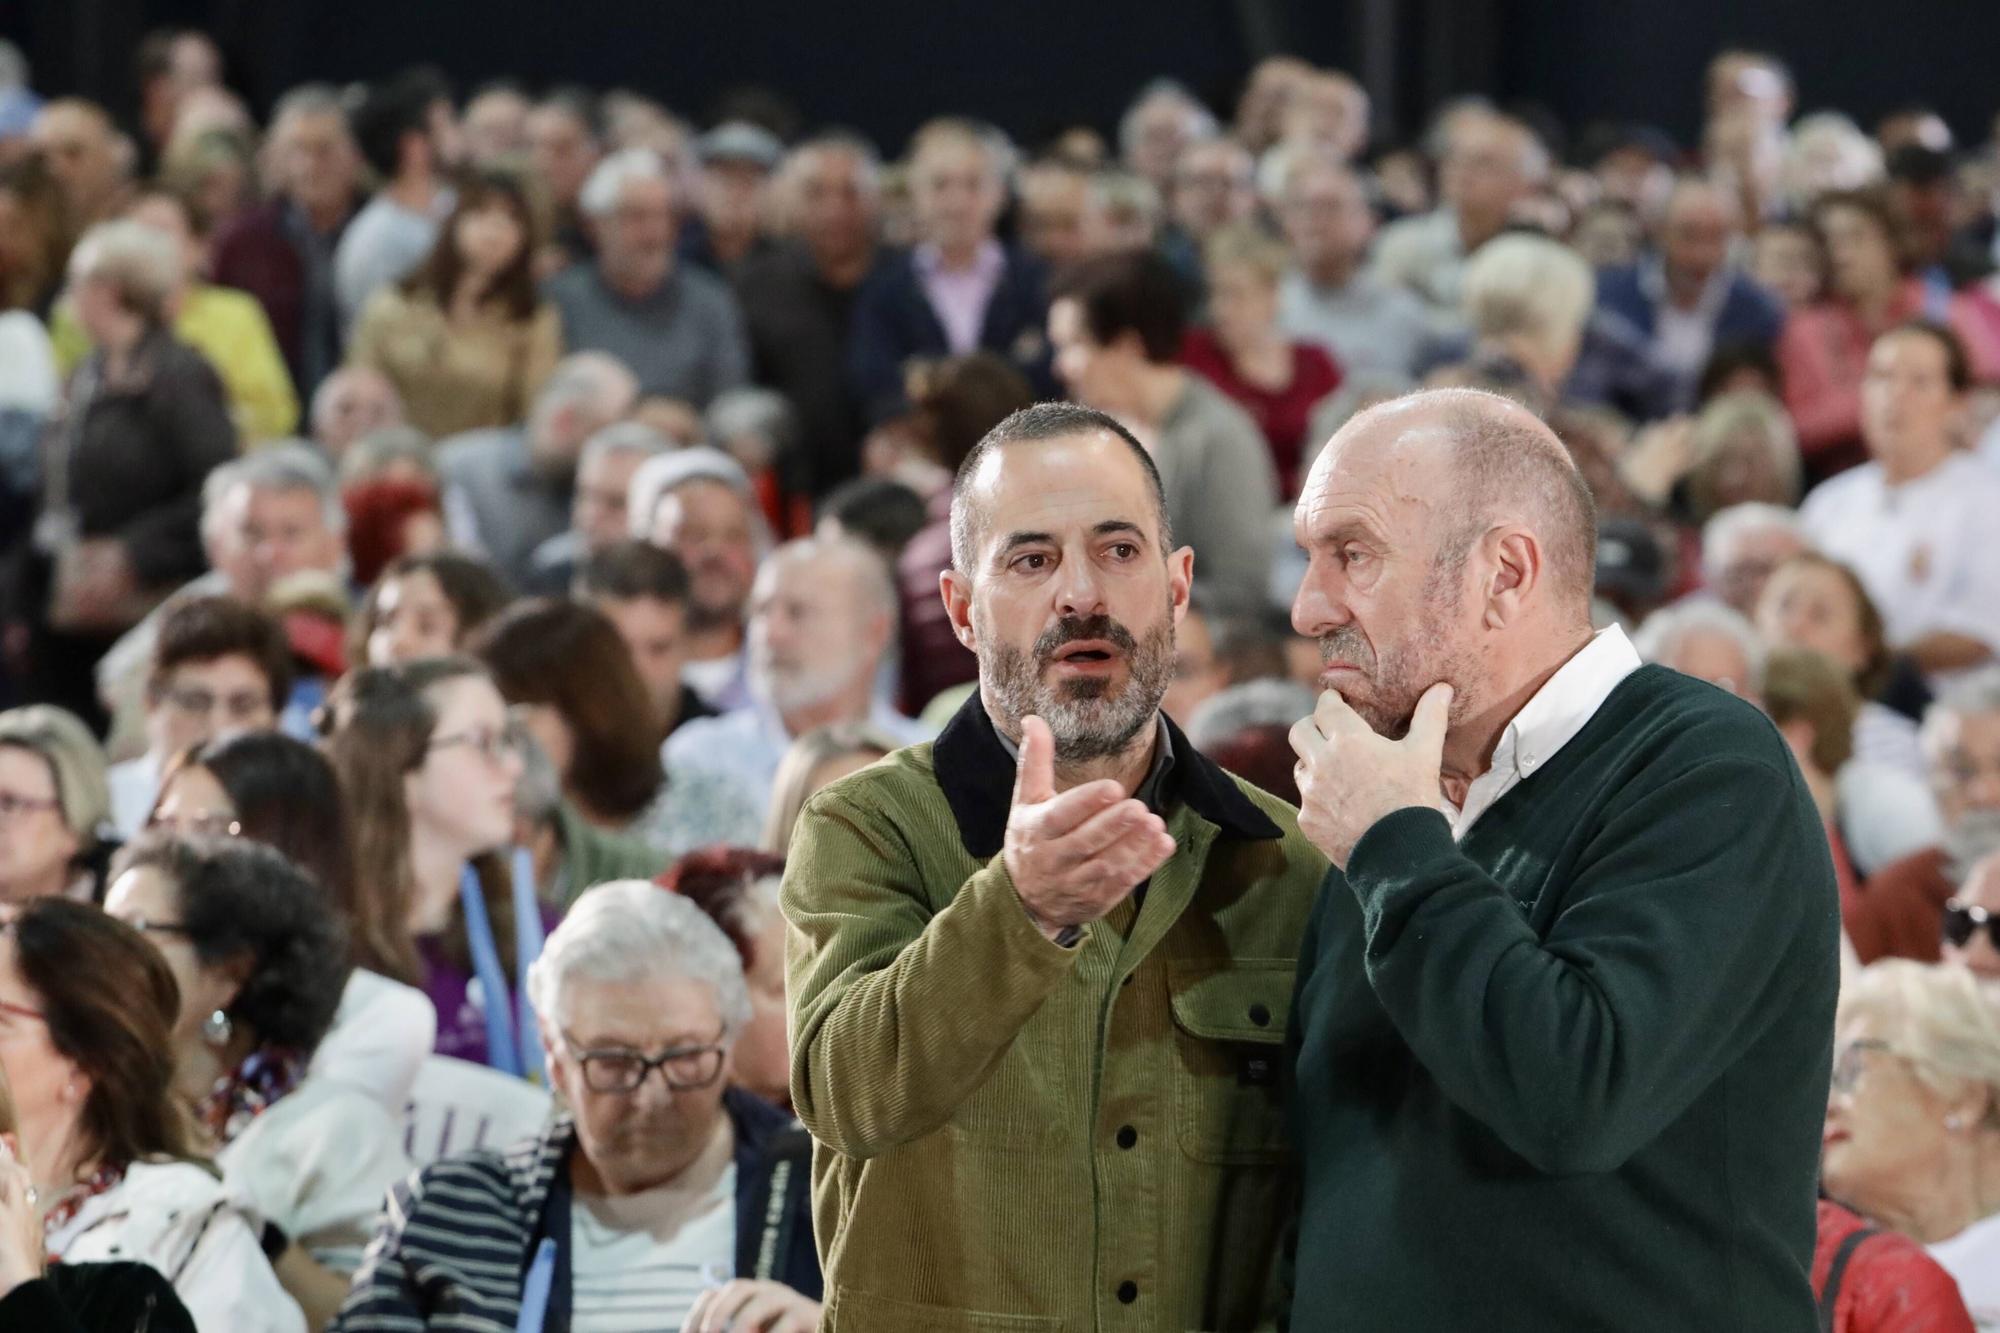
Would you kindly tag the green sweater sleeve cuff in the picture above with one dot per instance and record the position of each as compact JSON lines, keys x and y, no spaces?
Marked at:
{"x":1394,"y":844}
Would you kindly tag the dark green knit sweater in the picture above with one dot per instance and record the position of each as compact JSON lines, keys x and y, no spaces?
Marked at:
{"x":1571,"y":1073}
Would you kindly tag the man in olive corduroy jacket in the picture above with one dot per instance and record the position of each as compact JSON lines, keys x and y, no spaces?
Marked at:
{"x":1039,"y":970}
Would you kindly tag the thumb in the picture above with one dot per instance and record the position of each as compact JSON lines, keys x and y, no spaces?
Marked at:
{"x":1430,"y":722}
{"x":1035,"y":777}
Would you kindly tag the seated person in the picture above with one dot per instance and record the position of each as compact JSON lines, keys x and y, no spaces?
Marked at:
{"x":626,"y":1205}
{"x":1913,"y":1123}
{"x":87,"y":1010}
{"x":219,"y":664}
{"x":52,"y":788}
{"x":258,"y":955}
{"x":424,"y":606}
{"x":738,"y":888}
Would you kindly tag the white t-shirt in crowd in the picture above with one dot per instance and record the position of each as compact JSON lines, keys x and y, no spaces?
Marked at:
{"x":1972,"y":1257}
{"x":1925,"y":550}
{"x":639,"y":1262}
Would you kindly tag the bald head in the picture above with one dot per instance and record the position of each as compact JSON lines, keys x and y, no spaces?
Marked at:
{"x":1496,"y":463}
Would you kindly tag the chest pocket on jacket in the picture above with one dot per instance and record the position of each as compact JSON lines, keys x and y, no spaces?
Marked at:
{"x":1229,"y":1038}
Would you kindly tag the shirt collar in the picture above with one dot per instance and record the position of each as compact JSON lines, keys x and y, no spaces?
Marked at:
{"x":1566,"y":701}
{"x":986,"y":264}
{"x":975,"y":770}
{"x":1149,"y":789}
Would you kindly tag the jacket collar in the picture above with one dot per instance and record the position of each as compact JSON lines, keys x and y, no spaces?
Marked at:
{"x":977,"y":777}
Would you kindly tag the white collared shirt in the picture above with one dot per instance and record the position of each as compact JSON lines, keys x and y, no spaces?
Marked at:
{"x":1925,"y":549}
{"x":1548,"y":721}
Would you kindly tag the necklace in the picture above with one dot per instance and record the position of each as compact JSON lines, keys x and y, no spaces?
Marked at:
{"x":104,"y":1179}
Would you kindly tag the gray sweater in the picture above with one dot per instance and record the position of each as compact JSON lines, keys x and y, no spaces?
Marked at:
{"x":1221,"y":489}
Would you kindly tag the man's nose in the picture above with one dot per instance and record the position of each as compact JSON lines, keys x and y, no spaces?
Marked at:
{"x":1319,"y":608}
{"x":1078,"y":589}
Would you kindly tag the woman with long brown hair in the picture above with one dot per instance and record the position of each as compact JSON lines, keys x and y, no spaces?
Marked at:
{"x":427,"y":761}
{"x":467,"y":340}
{"x":87,"y":1009}
{"x":569,"y":678}
{"x":269,"y":788}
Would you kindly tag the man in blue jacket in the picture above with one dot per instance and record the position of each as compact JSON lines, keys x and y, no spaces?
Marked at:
{"x":959,"y":289}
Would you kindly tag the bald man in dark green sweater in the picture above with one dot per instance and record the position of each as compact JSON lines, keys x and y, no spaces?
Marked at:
{"x":1563,"y":1024}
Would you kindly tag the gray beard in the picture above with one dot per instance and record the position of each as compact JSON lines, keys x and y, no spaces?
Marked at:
{"x":1087,"y":719}
{"x":1971,"y":840}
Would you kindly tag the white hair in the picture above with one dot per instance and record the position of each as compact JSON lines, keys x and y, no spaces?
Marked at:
{"x":1727,"y":527}
{"x":663,"y":474}
{"x":1939,"y":1018}
{"x":1201,"y":121}
{"x":1660,"y":636}
{"x":1255,"y":703}
{"x":874,"y":585}
{"x":142,"y":263}
{"x":623,"y":437}
{"x":1528,"y":286}
{"x":286,"y":465}
{"x":607,"y":182}
{"x":598,"y":382}
{"x":1975,"y":693}
{"x":632,"y":930}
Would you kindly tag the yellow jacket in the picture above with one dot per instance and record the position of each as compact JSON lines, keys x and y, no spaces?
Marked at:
{"x":230,"y":329}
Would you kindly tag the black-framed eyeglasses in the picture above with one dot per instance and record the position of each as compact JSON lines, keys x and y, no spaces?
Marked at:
{"x":1963,"y":920}
{"x":1850,"y":1062}
{"x":685,"y":1068}
{"x":13,"y":805}
{"x":243,"y":707}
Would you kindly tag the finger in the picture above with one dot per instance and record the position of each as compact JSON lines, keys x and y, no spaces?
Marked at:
{"x":1069,"y":811}
{"x":697,"y":1314}
{"x":762,"y":1311}
{"x":1035,"y":773}
{"x":1308,"y":743}
{"x":1333,"y":716}
{"x":1101,"y":832}
{"x":723,"y":1303}
{"x":1430,"y":722}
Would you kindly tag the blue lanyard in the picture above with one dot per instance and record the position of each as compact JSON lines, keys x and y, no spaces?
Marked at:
{"x":536,"y":1287}
{"x":511,"y":1044}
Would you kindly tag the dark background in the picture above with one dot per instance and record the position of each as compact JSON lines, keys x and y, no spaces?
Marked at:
{"x":1032,"y":65}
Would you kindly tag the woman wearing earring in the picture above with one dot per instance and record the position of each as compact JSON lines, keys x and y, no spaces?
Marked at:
{"x":427,"y":761}
{"x":269,"y":788}
{"x":260,"y":962}
{"x":87,"y":1009}
{"x":1913,"y":1124}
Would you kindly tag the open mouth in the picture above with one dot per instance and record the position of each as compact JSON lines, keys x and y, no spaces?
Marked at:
{"x":1084,"y":652}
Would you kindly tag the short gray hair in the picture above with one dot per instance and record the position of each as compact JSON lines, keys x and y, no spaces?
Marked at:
{"x":873,"y":582}
{"x":1939,"y":1018}
{"x":632,"y":930}
{"x":623,"y":437}
{"x":1730,"y":526}
{"x":1975,"y":693}
{"x":1659,"y":637}
{"x":142,"y":263}
{"x":1254,"y":703}
{"x":310,"y":99}
{"x":1159,"y":90}
{"x":287,"y":465}
{"x":607,"y":182}
{"x":1528,"y":286}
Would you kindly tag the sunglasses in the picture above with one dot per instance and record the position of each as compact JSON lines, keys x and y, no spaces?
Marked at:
{"x":1963,"y":920}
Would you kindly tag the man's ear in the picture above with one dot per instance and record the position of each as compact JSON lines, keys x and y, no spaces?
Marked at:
{"x":1180,"y":581}
{"x":956,"y":590}
{"x":1515,"y":574}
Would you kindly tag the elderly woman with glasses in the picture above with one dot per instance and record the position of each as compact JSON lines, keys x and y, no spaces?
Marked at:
{"x":260,"y":960}
{"x":1913,"y":1123}
{"x":54,"y":806}
{"x":664,"y":1198}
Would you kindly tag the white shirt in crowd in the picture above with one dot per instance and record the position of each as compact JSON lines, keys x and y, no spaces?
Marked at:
{"x":1925,"y":550}
{"x":318,"y":1165}
{"x":639,"y":1262}
{"x":1549,"y":721}
{"x":135,"y":785}
{"x":747,"y":745}
{"x":1972,"y":1257}
{"x":382,"y":1033}
{"x":182,"y":1221}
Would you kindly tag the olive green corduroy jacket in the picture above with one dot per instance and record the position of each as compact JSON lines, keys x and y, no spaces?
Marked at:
{"x":1011,"y":1135}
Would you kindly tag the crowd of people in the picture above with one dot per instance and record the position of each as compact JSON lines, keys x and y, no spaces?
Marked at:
{"x":448,"y":541}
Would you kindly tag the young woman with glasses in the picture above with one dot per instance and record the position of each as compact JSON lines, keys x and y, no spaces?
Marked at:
{"x":427,"y":760}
